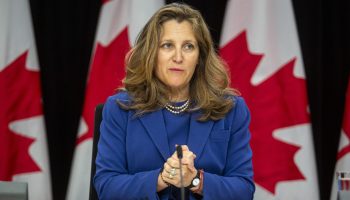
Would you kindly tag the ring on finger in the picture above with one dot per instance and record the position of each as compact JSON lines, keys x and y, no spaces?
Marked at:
{"x":171,"y":176}
{"x":172,"y":171}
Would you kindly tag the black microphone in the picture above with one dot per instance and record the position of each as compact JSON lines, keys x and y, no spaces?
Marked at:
{"x":179,"y":155}
{"x":179,"y":152}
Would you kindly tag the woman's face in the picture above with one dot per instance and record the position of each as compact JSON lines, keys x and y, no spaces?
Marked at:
{"x":178,"y":54}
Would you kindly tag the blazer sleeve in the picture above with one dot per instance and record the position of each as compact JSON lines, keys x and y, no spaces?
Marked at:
{"x":112,"y":180}
{"x":237,"y":180}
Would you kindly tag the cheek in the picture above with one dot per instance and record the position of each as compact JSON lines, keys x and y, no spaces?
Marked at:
{"x":161,"y":62}
{"x":160,"y":70}
{"x":158,"y":67}
{"x":194,"y":64}
{"x":157,"y":71}
{"x":192,"y":72}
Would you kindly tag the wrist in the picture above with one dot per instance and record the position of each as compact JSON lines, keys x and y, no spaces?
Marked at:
{"x":199,"y":188}
{"x":162,"y":184}
{"x":195,"y":181}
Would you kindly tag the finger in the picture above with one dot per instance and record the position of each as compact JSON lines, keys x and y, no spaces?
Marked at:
{"x":174,"y":155}
{"x":189,"y":165}
{"x":173,"y":162}
{"x":168,"y":177}
{"x":187,"y":161}
{"x":173,"y":179}
{"x":189,"y":154}
{"x":185,"y":148}
{"x":187,"y":169}
{"x":167,"y":167}
{"x":171,"y":170}
{"x":191,"y":168}
{"x":188,"y":175}
{"x":174,"y":170}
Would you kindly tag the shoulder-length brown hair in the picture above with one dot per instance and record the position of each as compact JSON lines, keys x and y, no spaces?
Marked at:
{"x":209,"y":87}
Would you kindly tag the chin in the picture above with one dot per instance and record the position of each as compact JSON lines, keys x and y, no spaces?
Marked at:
{"x":176,"y":86}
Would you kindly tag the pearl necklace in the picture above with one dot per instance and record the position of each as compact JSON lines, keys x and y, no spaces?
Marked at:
{"x":177,"y":109}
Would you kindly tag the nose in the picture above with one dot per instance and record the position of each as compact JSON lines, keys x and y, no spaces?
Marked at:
{"x":178,"y":57}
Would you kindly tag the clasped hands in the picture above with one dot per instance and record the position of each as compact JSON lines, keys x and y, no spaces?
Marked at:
{"x":171,"y":170}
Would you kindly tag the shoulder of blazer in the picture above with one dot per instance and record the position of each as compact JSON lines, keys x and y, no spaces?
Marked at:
{"x":121,"y":96}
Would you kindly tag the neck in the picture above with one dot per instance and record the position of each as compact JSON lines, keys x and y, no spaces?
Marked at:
{"x":179,"y":95}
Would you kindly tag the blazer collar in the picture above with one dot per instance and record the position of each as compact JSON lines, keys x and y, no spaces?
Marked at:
{"x":155,"y":126}
{"x":198,"y":134}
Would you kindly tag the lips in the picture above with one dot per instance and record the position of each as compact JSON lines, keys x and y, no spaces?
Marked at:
{"x":175,"y":69}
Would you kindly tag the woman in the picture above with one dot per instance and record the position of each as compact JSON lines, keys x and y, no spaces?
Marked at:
{"x":176,"y":93}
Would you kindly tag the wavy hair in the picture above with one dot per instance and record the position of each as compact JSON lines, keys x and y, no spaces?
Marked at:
{"x":209,"y":87}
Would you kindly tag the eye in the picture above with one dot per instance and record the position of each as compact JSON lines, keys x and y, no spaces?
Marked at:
{"x":166,"y":45}
{"x":189,"y":46}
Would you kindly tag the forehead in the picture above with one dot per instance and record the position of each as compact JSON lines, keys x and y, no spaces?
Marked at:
{"x":172,"y":29}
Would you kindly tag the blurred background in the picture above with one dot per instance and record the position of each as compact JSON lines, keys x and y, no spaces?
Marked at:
{"x":65,"y":31}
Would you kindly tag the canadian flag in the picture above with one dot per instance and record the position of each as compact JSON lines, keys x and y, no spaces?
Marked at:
{"x":23,"y":146}
{"x":119,"y":23}
{"x":260,"y":44}
{"x":343,"y":157}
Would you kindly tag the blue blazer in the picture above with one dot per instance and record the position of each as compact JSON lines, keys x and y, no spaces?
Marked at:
{"x":132,"y":150}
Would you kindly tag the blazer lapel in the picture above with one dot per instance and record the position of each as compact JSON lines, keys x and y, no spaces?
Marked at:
{"x":198,"y":134}
{"x":154,"y":124}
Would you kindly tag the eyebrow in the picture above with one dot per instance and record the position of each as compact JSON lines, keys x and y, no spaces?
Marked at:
{"x":185,"y":41}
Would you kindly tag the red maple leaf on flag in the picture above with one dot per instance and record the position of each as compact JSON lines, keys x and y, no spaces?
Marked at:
{"x":346,"y":124}
{"x":107,"y":72}
{"x":278,"y":102}
{"x":20,"y":98}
